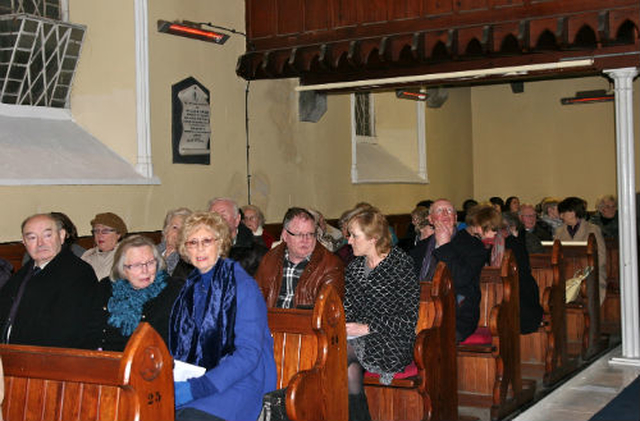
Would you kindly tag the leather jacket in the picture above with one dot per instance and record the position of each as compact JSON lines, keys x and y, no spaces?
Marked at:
{"x":323,"y":268}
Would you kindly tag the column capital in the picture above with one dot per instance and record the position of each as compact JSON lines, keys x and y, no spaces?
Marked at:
{"x":623,"y":72}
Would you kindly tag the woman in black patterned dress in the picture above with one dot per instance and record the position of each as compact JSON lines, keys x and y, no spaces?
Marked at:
{"x":381,"y":307}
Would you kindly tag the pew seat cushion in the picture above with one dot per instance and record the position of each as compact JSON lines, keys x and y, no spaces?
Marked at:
{"x":482,"y":336}
{"x":409,"y":371}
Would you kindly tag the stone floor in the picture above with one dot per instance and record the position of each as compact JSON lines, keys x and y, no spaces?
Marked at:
{"x":577,"y":399}
{"x":584,"y":394}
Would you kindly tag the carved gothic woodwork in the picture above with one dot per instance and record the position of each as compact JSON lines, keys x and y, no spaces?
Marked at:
{"x":322,"y":41}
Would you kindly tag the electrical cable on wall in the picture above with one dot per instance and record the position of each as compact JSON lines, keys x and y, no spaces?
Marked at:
{"x":246,"y":107}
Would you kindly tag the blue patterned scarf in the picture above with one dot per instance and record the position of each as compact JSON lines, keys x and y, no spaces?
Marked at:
{"x":126,"y":303}
{"x":201,"y":329}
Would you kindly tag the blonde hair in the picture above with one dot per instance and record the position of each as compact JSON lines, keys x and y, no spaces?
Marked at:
{"x":208,"y":220}
{"x":374,"y":225}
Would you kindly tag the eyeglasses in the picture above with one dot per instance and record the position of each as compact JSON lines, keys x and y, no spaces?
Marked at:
{"x":447,"y":211}
{"x":205,"y":243}
{"x":137,"y":267}
{"x":103,"y":231}
{"x":301,"y":235}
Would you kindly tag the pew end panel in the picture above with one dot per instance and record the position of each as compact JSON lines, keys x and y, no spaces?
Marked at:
{"x":431,"y":393}
{"x":583,"y":315}
{"x":610,"y":311}
{"x":489,"y":375}
{"x":544,"y":353}
{"x":44,"y":383}
{"x":310,"y":349}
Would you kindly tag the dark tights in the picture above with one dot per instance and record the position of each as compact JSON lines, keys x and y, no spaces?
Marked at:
{"x":355,"y":372}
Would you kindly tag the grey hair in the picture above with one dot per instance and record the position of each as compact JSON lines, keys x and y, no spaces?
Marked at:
{"x":605,"y":198}
{"x":57,"y":221}
{"x":256,"y":210}
{"x":117,"y":270}
{"x":234,"y":204}
{"x":183,"y":212}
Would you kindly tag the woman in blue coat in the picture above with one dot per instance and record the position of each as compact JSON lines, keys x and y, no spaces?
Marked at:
{"x":219,"y":322}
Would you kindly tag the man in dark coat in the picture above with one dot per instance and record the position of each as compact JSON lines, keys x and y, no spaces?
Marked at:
{"x":465,"y":256}
{"x":50,"y":300}
{"x":244,"y":247}
{"x":443,"y":217}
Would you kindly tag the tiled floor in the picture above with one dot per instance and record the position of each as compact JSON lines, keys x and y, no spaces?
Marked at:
{"x":585,"y":394}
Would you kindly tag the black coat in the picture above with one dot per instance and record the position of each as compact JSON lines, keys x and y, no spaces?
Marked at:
{"x":530,"y":308}
{"x":156,"y":312}
{"x":57,"y":305}
{"x":465,"y":256}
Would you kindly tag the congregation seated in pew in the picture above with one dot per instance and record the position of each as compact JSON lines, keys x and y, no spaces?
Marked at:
{"x":292,"y":273}
{"x":107,"y":230}
{"x":50,"y":301}
{"x":168,"y":247}
{"x":576,"y":228}
{"x":138,"y":289}
{"x":381,"y":307}
{"x":441,"y":220}
{"x":510,"y":237}
{"x":219,"y":322}
{"x":465,"y":256}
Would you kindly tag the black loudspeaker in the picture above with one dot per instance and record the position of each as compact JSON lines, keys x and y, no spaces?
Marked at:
{"x":312,"y":105}
{"x":517,"y":87}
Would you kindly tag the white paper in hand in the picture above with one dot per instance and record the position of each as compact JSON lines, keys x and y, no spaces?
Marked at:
{"x":183,"y":371}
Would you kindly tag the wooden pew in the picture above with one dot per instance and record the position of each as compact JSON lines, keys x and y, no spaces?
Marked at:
{"x":43,"y":383}
{"x":610,"y":311}
{"x":431,"y":394}
{"x":310,"y":349}
{"x":544,"y":353}
{"x":583,"y":314}
{"x":489,"y":375}
{"x":13,"y":252}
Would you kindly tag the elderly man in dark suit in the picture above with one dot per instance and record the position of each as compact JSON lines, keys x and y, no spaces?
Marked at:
{"x":50,"y":301}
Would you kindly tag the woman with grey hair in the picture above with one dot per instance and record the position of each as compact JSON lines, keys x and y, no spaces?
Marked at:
{"x":253,"y":218}
{"x":606,"y":216}
{"x":138,"y":289}
{"x":168,"y":247}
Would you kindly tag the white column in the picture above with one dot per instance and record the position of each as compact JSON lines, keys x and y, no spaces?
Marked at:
{"x":625,"y":153}
{"x":144,"y":165}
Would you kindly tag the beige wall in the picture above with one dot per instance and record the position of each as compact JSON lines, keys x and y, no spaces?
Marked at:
{"x":295,"y":163}
{"x":531,"y":146}
{"x":292,"y":163}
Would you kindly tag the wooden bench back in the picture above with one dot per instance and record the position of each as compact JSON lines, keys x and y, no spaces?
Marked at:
{"x":583,"y":322}
{"x":435,"y":350}
{"x":13,"y":252}
{"x":548,"y":347}
{"x":310,"y":349}
{"x":43,"y":383}
{"x":492,"y":375}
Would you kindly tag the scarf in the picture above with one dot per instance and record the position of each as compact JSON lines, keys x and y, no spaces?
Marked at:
{"x":574,"y":230}
{"x":126,"y":303}
{"x":201,"y":329}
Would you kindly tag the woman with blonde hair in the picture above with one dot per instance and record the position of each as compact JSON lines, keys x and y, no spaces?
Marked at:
{"x":219,"y":322}
{"x":381,"y":307}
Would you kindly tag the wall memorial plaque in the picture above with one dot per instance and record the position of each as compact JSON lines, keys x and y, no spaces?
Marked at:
{"x":191,"y":122}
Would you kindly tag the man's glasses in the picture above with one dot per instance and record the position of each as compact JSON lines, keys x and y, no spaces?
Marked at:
{"x":302,"y":235}
{"x":137,"y":267}
{"x":205,"y":243}
{"x":442,"y":211}
{"x":103,"y":231}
